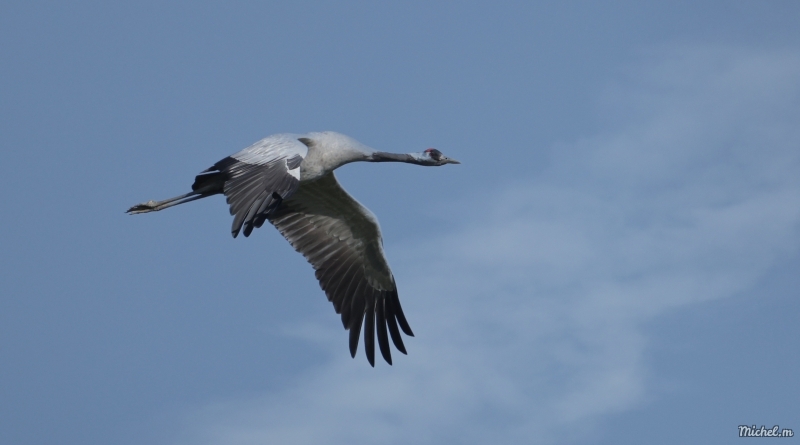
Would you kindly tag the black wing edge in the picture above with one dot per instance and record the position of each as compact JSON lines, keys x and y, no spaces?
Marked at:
{"x":253,"y":191}
{"x":381,"y":310}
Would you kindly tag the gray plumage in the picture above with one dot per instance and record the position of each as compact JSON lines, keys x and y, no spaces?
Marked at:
{"x":288,"y":180}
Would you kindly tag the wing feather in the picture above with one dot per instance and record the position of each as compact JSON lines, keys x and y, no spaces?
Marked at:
{"x":369,"y":331}
{"x":383,"y":336}
{"x":256,"y":179}
{"x":342,"y":241}
{"x":397,"y":339}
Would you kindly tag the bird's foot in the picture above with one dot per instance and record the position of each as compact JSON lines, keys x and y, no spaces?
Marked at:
{"x":149,"y":206}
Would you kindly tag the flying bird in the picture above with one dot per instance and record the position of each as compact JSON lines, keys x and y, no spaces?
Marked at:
{"x":288,"y":180}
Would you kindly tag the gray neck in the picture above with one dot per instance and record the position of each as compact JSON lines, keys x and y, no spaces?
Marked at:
{"x":380,"y":156}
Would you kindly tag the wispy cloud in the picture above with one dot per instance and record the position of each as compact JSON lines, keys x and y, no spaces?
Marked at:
{"x":531,"y":325}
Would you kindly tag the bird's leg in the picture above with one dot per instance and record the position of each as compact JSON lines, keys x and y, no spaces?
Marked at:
{"x":154,"y":206}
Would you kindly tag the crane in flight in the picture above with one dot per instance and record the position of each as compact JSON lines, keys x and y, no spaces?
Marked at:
{"x":287,"y":179}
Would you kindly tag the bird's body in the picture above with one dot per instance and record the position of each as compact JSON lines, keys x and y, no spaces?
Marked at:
{"x":288,"y":179}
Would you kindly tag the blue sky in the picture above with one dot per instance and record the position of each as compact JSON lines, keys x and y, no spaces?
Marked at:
{"x":615,"y":258}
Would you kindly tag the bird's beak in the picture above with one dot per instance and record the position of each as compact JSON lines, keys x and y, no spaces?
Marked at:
{"x":449,"y":161}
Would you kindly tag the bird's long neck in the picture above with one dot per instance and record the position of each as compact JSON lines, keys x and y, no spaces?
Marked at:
{"x":380,"y":156}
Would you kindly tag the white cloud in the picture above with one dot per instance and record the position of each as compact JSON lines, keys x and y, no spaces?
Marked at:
{"x":531,"y":325}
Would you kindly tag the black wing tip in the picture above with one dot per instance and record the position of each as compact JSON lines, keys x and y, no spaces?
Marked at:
{"x":248,"y":229}
{"x":380,"y":315}
{"x":383,"y":335}
{"x":369,"y":349}
{"x":355,"y":333}
{"x":387,"y":355}
{"x":394,"y":331}
{"x":369,"y":329}
{"x":401,"y":318}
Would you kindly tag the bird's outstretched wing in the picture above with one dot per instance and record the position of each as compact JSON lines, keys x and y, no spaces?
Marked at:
{"x":342,"y":240}
{"x":256,"y":179}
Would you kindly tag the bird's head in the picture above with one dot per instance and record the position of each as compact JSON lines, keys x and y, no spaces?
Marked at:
{"x":432,"y":157}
